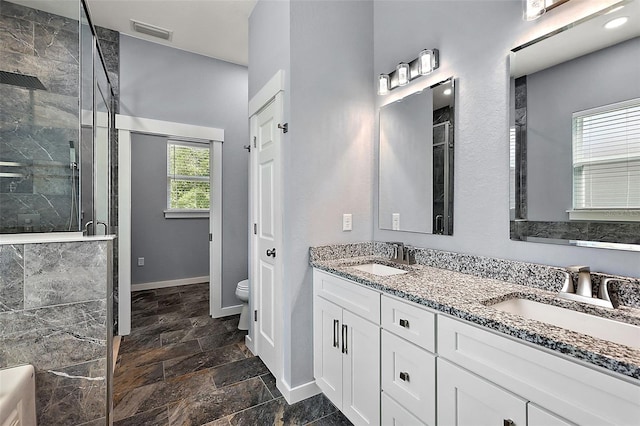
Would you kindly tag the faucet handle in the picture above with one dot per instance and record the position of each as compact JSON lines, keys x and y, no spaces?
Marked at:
{"x":577,"y":269}
{"x":567,"y":287}
{"x":603,"y":293}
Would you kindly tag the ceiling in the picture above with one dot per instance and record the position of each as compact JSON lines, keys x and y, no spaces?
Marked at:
{"x":215,"y":28}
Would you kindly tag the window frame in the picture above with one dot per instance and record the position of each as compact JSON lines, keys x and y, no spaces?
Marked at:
{"x":600,"y":213}
{"x":176,"y":213}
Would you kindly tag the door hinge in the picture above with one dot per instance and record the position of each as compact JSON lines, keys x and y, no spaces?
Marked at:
{"x":255,"y":229}
{"x":210,"y":237}
{"x":254,"y":141}
{"x":255,"y":315}
{"x":284,"y":127}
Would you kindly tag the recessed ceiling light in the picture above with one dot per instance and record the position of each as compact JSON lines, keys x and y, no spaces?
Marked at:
{"x":151,"y":30}
{"x":615,"y":23}
{"x":446,"y":92}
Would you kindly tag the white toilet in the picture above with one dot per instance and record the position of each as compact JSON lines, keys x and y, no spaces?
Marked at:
{"x":242,"y":293}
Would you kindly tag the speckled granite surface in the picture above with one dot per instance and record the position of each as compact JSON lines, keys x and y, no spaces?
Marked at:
{"x":467,"y":296}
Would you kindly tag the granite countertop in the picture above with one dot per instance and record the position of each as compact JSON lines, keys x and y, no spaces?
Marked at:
{"x":468,"y":297}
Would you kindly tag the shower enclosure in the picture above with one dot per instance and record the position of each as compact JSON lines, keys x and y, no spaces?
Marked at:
{"x":56,"y":116}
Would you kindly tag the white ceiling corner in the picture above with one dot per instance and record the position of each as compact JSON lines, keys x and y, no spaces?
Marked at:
{"x":215,"y":28}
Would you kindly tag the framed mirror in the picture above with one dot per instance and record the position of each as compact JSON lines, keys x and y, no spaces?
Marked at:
{"x":416,"y":162}
{"x":575,"y":133}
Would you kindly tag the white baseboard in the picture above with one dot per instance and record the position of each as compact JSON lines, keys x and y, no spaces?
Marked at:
{"x":227,"y":311}
{"x":169,"y":283}
{"x":298,"y":393}
{"x":248,"y":342}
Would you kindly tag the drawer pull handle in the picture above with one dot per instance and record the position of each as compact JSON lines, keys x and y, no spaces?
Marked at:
{"x":508,"y":422}
{"x":404,"y":376}
{"x":404,"y":323}
{"x":336,"y":340}
{"x":344,"y":339}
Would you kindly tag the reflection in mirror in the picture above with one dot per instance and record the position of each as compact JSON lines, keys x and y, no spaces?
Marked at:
{"x":416,"y":162}
{"x":575,"y":135}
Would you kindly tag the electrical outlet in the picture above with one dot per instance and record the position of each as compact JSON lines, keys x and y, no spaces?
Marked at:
{"x":347,"y":222}
{"x":141,"y":261}
{"x":395,"y":221}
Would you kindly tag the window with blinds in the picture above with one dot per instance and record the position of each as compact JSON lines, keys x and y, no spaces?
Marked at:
{"x":606,"y":157}
{"x":188,"y":171}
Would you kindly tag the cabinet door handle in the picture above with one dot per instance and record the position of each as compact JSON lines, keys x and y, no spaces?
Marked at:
{"x":345,"y":349}
{"x":508,"y":422}
{"x":404,"y":323}
{"x":404,"y":376}
{"x":336,"y":341}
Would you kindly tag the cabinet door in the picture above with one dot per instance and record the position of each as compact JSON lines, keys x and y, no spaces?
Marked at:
{"x":393,"y":414}
{"x":465,"y":399}
{"x":361,"y":370}
{"x":327,"y":349}
{"x":537,"y":416}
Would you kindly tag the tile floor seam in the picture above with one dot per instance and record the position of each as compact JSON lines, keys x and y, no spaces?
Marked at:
{"x":265,"y":385}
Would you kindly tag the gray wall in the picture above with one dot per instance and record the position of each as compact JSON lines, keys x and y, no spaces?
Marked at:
{"x":474,"y":39}
{"x":328,"y":165}
{"x":553,"y":95}
{"x":148,"y":202}
{"x":168,"y":84}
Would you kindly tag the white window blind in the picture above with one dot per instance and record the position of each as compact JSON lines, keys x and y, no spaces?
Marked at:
{"x":188,"y":171}
{"x":606,"y":157}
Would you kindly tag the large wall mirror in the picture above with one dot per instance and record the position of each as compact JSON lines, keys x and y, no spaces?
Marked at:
{"x":575,"y":133}
{"x":416,"y":162}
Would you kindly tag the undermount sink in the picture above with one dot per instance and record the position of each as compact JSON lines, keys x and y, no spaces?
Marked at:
{"x":603,"y":328}
{"x":378,"y":269}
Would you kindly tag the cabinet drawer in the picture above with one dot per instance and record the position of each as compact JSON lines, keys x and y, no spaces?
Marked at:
{"x":396,"y":415}
{"x":411,"y":322}
{"x":347,"y":294}
{"x":570,"y":390}
{"x":409,"y":376}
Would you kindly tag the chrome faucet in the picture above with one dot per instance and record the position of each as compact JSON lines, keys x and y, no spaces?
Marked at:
{"x":583,"y":292}
{"x":403,"y":254}
{"x":584,"y":280}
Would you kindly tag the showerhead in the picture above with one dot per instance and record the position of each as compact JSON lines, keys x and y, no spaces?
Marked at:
{"x":21,"y":80}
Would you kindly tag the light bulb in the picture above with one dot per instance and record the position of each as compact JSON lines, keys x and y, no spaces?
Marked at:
{"x":383,"y":84}
{"x":426,"y":61}
{"x":403,"y":74}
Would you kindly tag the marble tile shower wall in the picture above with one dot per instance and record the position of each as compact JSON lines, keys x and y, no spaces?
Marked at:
{"x":37,"y":125}
{"x":54,"y":314}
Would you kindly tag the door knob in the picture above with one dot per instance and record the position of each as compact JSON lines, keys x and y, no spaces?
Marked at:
{"x":271,"y":252}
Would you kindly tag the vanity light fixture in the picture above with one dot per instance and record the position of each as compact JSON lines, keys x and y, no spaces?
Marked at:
{"x":427,"y":61}
{"x":617,"y":22}
{"x":383,"y":84}
{"x":404,"y":74}
{"x":533,"y":9}
{"x":446,"y":92}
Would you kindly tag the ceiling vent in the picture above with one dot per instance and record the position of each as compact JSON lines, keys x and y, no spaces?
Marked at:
{"x":151,"y":30}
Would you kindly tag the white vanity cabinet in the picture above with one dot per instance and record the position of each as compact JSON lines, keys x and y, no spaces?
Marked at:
{"x":346,"y":337}
{"x":383,"y":360}
{"x":479,"y":369}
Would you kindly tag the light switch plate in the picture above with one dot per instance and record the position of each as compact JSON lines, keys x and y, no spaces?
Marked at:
{"x":347,"y":222}
{"x":141,"y":261}
{"x":395,"y":221}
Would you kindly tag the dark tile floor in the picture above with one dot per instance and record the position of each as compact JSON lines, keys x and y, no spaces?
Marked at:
{"x":181,"y":367}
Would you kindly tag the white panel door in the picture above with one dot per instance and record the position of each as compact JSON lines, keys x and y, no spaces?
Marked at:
{"x":465,"y":399}
{"x":361,"y":369}
{"x":268,"y":227}
{"x":327,"y":349}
